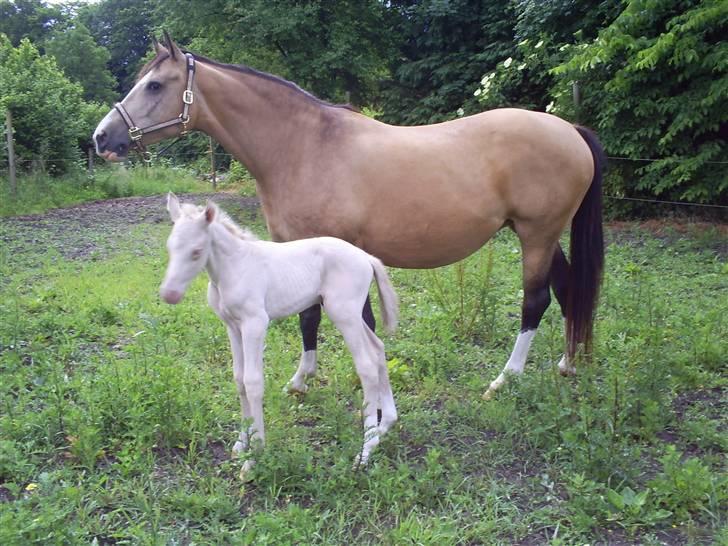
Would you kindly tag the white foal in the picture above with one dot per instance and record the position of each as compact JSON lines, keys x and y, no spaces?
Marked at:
{"x":253,"y":281}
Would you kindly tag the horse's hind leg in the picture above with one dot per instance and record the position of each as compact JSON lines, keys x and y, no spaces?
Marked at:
{"x":536,"y":299}
{"x":309,"y":321}
{"x":559,"y":284}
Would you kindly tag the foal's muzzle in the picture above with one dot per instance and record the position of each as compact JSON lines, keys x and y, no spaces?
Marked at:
{"x":171,"y":296}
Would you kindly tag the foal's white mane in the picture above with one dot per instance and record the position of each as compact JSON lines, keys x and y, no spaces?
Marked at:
{"x":193,"y":211}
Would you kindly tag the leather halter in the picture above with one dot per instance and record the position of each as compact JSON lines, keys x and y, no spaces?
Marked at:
{"x":188,"y":97}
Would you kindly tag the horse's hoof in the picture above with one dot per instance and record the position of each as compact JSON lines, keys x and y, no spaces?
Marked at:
{"x":488,"y":395}
{"x":239,"y":447}
{"x":565,"y":369}
{"x":245,"y":471}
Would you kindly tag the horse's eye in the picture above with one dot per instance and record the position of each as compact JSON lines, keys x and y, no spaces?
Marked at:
{"x":196,"y":254}
{"x":154,"y":86}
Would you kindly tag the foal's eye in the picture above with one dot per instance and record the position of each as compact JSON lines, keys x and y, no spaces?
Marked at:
{"x":154,"y":86}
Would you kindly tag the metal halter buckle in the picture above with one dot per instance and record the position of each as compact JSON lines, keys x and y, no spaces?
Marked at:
{"x":135,"y":133}
{"x":188,"y":97}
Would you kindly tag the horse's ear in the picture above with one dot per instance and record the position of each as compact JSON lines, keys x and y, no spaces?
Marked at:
{"x":157,"y":46}
{"x":173,"y":207}
{"x":210,"y":212}
{"x":171,"y":46}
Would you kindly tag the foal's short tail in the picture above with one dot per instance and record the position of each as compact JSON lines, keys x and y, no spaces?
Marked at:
{"x":388,"y":301}
{"x":586,"y":256}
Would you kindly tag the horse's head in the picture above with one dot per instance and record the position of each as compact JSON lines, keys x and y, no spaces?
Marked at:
{"x":157,"y":107}
{"x":188,"y":246}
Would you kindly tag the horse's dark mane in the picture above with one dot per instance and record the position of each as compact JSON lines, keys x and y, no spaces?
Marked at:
{"x":270,"y":77}
{"x":245,"y":70}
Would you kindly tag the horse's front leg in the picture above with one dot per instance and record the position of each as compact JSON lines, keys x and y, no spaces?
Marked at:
{"x":253,"y":331}
{"x":309,"y":321}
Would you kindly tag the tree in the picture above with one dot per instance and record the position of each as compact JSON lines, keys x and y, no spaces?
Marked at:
{"x":31,"y":19}
{"x":655,"y":85}
{"x":445,"y":48}
{"x":83,"y":62}
{"x":546,"y":31}
{"x":336,"y":49}
{"x":124,"y":28}
{"x":50,"y":117}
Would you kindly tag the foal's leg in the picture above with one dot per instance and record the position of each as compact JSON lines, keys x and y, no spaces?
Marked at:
{"x":253,"y":335}
{"x":236,"y":345}
{"x":309,"y":321}
{"x":536,"y":299}
{"x":386,"y":398}
{"x":349,"y":322}
{"x":559,"y":284}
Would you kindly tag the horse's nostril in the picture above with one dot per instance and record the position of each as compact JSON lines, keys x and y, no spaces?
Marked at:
{"x":101,"y":138}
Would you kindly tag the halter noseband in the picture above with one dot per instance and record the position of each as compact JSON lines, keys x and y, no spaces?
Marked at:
{"x":188,"y":97}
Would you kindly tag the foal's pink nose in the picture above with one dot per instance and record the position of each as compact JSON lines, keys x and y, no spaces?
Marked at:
{"x":171,"y":296}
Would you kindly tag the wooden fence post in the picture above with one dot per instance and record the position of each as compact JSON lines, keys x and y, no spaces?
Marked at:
{"x":11,"y":153}
{"x":212,"y":166}
{"x":576,"y":94}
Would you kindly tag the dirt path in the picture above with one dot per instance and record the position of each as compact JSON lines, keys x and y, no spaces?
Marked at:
{"x":95,"y":229}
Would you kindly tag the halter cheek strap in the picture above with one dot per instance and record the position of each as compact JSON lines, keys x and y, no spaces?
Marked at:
{"x":188,"y":97}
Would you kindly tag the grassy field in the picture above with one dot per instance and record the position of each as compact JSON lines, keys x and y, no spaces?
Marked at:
{"x":37,"y":193}
{"x":117,"y":412}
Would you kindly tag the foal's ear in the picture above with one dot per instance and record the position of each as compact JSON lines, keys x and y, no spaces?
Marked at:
{"x":173,"y":207}
{"x":210,"y":212}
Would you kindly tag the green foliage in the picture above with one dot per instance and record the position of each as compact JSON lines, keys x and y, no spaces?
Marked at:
{"x":32,"y":87}
{"x":83,"y":62}
{"x":29,"y":19}
{"x":337,"y":50}
{"x":687,"y":487}
{"x":38,"y":192}
{"x":523,"y":80}
{"x":655,"y":85}
{"x":124,"y":28}
{"x":444,"y":49}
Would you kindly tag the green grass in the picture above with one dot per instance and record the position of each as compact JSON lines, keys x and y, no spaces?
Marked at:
{"x":38,"y":193}
{"x":117,"y":413}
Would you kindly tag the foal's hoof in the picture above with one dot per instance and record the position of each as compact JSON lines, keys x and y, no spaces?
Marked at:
{"x":488,"y":395}
{"x":360,"y":461}
{"x":294,"y":389}
{"x":245,"y":471}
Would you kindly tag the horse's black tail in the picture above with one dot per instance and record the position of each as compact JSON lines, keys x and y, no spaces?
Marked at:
{"x":586,"y":256}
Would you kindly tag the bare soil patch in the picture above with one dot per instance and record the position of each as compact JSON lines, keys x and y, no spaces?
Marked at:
{"x":95,"y":229}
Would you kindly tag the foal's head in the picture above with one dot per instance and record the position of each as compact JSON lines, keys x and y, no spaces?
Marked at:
{"x":188,"y":246}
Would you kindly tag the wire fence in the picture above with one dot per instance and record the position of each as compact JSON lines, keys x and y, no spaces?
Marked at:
{"x":201,"y":155}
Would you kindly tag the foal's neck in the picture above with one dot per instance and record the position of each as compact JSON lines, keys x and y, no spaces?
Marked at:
{"x":224,"y":246}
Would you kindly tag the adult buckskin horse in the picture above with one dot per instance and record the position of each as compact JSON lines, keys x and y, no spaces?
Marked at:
{"x":415,"y":197}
